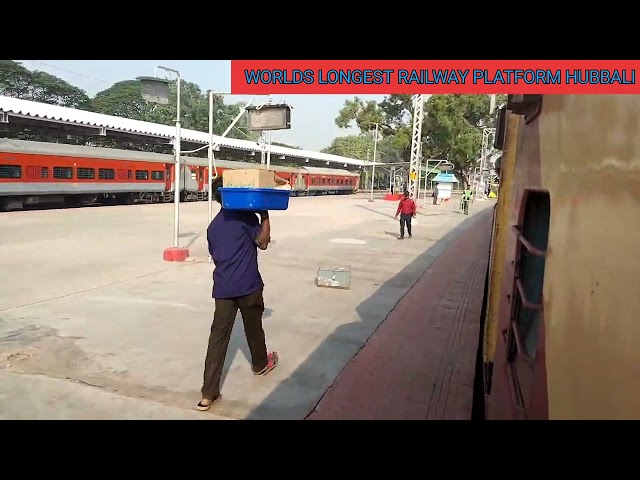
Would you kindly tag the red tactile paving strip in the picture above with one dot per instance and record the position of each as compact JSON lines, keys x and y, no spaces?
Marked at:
{"x":420,"y":363}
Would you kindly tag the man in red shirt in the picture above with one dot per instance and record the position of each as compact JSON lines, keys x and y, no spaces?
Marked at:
{"x":406,"y":210}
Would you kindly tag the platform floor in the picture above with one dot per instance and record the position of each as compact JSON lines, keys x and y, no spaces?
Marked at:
{"x":93,"y":324}
{"x":420,"y":363}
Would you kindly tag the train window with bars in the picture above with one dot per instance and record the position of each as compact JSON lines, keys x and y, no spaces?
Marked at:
{"x":37,"y":172}
{"x":83,"y":173}
{"x":10,"y":171}
{"x":527,"y":304}
{"x":106,"y":174}
{"x":533,"y":236}
{"x":157,"y":175}
{"x":63,"y":173}
{"x":142,"y":174}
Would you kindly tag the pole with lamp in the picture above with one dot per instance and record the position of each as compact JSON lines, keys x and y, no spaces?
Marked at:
{"x":373,"y":168}
{"x":156,"y":90}
{"x":213,"y":172}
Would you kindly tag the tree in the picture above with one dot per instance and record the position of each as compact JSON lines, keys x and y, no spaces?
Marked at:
{"x":124,"y":99}
{"x":354,"y":146}
{"x":452,"y":128}
{"x":18,"y":82}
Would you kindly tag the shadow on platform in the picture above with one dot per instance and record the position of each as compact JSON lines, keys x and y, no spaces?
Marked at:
{"x":280,"y":403}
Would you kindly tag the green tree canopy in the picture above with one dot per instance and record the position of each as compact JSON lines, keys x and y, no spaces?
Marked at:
{"x":123,"y":99}
{"x":452,"y":128}
{"x":18,"y":82}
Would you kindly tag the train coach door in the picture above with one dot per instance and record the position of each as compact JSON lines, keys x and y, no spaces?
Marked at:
{"x":526,"y":364}
{"x":168,"y":177}
{"x":201,"y":172}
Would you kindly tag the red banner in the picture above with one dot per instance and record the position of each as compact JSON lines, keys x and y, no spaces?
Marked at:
{"x":362,"y":77}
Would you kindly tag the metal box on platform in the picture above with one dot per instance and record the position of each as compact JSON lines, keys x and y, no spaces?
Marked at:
{"x":334,"y":277}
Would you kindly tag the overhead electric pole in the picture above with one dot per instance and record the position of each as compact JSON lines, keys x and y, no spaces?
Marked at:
{"x":416,"y":142}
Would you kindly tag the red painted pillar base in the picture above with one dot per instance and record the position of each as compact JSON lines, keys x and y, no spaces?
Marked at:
{"x":394,"y":198}
{"x":175,"y":254}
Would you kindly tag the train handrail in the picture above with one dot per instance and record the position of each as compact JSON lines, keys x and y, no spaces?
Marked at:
{"x":525,"y":302}
{"x":520,"y":350}
{"x":530,"y":248}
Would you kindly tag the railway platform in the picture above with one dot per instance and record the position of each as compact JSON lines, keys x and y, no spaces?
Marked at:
{"x":95,"y":325}
{"x":426,"y":347}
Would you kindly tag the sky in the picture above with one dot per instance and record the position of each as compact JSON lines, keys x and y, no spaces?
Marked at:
{"x":312,"y":116}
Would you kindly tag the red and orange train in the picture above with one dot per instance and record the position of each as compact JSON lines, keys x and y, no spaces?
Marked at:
{"x":32,"y":173}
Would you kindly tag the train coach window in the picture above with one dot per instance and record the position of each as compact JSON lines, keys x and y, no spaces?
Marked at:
{"x":533,"y":235}
{"x":106,"y":174}
{"x":124,"y":174}
{"x":10,"y":171}
{"x":157,"y":175}
{"x":85,"y":173}
{"x":64,"y":173}
{"x":142,"y":174}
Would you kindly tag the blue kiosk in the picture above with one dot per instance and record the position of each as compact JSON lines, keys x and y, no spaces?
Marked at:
{"x":443,"y":186}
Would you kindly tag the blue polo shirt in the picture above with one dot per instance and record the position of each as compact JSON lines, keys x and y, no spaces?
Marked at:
{"x":232,"y":245}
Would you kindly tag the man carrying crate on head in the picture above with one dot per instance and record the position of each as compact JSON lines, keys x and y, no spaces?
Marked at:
{"x":234,"y":237}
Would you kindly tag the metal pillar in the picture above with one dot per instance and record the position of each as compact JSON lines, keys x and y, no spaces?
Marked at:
{"x":416,"y":142}
{"x":263,"y":148}
{"x":176,"y":148}
{"x":392,"y":180}
{"x":487,"y":134}
{"x":268,"y":144}
{"x":373,"y":167}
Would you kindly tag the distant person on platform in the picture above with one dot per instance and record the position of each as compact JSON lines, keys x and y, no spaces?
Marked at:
{"x":406,"y":210}
{"x":467,"y":195}
{"x":234,"y":237}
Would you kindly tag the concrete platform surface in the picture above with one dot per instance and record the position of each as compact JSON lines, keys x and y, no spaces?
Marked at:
{"x":93,"y":323}
{"x":420,"y":363}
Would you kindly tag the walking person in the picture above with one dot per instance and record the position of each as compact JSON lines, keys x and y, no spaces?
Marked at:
{"x":234,"y":237}
{"x":406,"y":210}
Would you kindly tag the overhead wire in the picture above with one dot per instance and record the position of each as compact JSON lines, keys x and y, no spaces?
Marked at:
{"x":70,"y":71}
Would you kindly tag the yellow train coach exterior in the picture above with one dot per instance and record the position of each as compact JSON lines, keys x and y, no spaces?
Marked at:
{"x":562,"y":327}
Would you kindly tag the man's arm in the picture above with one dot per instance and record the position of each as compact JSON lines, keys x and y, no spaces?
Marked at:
{"x":264,"y":237}
{"x":415,"y":209}
{"x":399,"y":207}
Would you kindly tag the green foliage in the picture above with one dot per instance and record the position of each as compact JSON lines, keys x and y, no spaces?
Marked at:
{"x":124,"y":99}
{"x":354,"y":146}
{"x":452,"y":128}
{"x":16,"y":81}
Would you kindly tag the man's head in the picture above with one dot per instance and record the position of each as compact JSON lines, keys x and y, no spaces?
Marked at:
{"x":406,"y":194}
{"x":216,"y":184}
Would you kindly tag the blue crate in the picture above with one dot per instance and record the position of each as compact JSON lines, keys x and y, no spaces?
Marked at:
{"x":254,"y":199}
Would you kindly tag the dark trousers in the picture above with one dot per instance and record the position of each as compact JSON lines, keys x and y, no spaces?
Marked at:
{"x":405,"y":219}
{"x":251,"y":308}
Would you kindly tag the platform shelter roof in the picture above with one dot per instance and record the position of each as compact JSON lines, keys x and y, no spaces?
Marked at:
{"x":54,"y":113}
